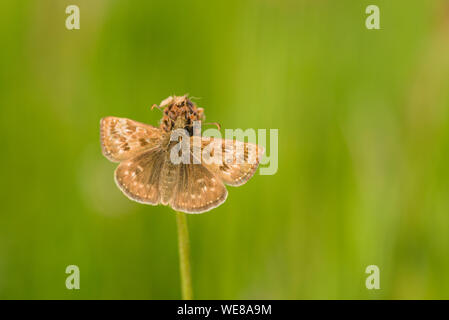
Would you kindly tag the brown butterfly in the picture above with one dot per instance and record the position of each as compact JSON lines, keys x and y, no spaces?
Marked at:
{"x":146,"y":173}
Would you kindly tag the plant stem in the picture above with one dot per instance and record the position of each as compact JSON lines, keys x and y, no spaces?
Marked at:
{"x":184,"y":256}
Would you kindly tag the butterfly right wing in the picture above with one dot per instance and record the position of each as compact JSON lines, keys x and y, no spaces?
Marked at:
{"x":236,"y":161}
{"x":122,"y":139}
{"x":138,"y":178}
{"x":197,"y":189}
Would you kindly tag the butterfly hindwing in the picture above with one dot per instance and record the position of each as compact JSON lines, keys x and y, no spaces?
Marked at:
{"x":139,"y":177}
{"x":197,"y":189}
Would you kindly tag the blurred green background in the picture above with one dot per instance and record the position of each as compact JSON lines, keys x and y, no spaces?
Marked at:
{"x":363,"y":147}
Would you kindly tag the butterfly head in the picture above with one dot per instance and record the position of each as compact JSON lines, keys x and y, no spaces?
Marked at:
{"x":180,"y":113}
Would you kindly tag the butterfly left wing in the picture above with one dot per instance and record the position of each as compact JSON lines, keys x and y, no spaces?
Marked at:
{"x":234,"y":162}
{"x":197,"y":189}
{"x":122,"y":139}
{"x":139,"y":178}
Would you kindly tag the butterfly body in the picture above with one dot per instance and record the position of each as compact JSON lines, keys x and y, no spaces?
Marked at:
{"x":146,"y":173}
{"x":179,"y":113}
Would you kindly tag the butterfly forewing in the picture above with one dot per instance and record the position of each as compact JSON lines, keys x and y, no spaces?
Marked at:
{"x":234,"y":162}
{"x":122,"y":139}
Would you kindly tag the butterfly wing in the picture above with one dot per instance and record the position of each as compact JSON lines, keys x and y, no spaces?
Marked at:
{"x":197,"y":189}
{"x":237,"y":161}
{"x":139,"y":177}
{"x":122,"y":139}
{"x":194,"y":188}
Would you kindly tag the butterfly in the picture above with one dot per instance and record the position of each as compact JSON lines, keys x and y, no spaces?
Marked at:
{"x":148,"y":175}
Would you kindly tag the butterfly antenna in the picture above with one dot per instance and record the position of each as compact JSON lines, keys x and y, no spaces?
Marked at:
{"x":156,"y":106}
{"x":213,"y":124}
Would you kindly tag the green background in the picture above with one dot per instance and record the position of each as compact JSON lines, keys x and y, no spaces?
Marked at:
{"x":363,"y":147}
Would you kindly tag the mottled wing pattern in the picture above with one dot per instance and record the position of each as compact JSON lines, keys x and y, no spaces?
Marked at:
{"x":122,"y":139}
{"x":139,"y":177}
{"x":145,"y":173}
{"x":238,"y":161}
{"x":197,"y":189}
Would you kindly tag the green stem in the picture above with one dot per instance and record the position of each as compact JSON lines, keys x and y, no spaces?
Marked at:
{"x":184,"y":256}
